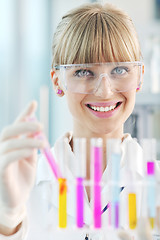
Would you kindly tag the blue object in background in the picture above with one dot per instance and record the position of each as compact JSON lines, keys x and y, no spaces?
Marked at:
{"x":157,"y":9}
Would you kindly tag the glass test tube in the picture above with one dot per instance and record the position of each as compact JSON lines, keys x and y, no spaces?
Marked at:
{"x":114,"y":158}
{"x":80,"y":170}
{"x":49,"y":156}
{"x":62,"y":203}
{"x":132,"y":198}
{"x":149,"y":155}
{"x":96,"y":173}
{"x":62,"y":210}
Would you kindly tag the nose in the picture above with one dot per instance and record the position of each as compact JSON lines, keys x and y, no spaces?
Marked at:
{"x":104,"y":88}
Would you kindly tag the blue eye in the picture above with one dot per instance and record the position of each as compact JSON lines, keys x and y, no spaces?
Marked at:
{"x":83,"y":73}
{"x":120,"y":70}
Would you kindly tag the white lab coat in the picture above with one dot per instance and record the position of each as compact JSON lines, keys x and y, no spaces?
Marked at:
{"x":42,"y":208}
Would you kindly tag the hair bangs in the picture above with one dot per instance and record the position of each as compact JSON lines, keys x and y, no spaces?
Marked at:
{"x":91,"y":44}
{"x":118,"y":45}
{"x":95,"y":34}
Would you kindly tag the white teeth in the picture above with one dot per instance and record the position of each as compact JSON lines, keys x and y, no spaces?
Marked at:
{"x":103,"y":109}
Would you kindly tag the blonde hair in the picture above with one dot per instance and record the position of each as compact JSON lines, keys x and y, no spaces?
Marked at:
{"x":95,"y":33}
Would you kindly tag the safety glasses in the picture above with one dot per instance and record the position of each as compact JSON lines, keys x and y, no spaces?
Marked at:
{"x":87,"y":78}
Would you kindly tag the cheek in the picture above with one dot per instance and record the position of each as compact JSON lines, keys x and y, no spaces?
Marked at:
{"x":74,"y":103}
{"x":131,"y":96}
{"x":130,"y":100}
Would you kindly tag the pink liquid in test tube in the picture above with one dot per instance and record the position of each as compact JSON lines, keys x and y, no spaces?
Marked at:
{"x":79,"y":202}
{"x":117,"y":215}
{"x":49,"y":156}
{"x":52,"y":162}
{"x":47,"y":152}
{"x":97,"y":173}
{"x":80,"y":170}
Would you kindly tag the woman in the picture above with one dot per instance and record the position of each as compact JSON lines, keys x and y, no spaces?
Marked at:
{"x":97,"y":47}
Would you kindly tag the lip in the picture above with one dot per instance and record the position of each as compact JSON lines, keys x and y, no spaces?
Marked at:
{"x":104,"y":114}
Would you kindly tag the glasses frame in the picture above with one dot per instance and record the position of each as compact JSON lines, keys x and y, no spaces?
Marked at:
{"x":138,"y":63}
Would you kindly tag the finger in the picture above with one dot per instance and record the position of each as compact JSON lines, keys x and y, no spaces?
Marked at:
{"x":144,"y":229}
{"x":158,"y":218}
{"x":15,"y":156}
{"x":20,"y":129}
{"x":15,"y":144}
{"x":28,"y":111}
{"x":124,"y":235}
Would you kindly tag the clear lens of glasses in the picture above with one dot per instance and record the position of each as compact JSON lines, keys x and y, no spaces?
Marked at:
{"x":87,"y":78}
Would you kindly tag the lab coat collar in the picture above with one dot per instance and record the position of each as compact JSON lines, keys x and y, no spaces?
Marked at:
{"x":139,"y":162}
{"x":44,"y":172}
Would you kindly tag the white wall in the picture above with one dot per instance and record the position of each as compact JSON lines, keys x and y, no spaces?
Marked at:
{"x":141,"y":11}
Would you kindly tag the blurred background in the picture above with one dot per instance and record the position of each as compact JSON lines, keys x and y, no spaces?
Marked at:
{"x":26,"y":30}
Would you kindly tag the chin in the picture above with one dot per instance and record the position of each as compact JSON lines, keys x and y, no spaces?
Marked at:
{"x":106,"y":130}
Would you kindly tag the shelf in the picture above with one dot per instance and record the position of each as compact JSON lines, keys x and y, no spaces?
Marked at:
{"x":146,"y":98}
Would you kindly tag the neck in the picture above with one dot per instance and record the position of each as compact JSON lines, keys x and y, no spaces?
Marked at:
{"x":79,"y":131}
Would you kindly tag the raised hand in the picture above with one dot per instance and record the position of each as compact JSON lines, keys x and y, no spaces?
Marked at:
{"x":18,"y":158}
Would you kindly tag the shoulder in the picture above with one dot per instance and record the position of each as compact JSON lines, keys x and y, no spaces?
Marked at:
{"x":68,"y":136}
{"x":128,"y":138}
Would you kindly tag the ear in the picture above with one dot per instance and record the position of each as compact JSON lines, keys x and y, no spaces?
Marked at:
{"x":54,"y":78}
{"x":56,"y":83}
{"x":141,"y":83}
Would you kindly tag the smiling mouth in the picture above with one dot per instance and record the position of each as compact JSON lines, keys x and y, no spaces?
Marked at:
{"x":104,"y":109}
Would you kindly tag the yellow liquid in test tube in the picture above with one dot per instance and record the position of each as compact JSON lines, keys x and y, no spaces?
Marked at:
{"x":62,"y":203}
{"x":132,"y":210}
{"x":151,"y":222}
